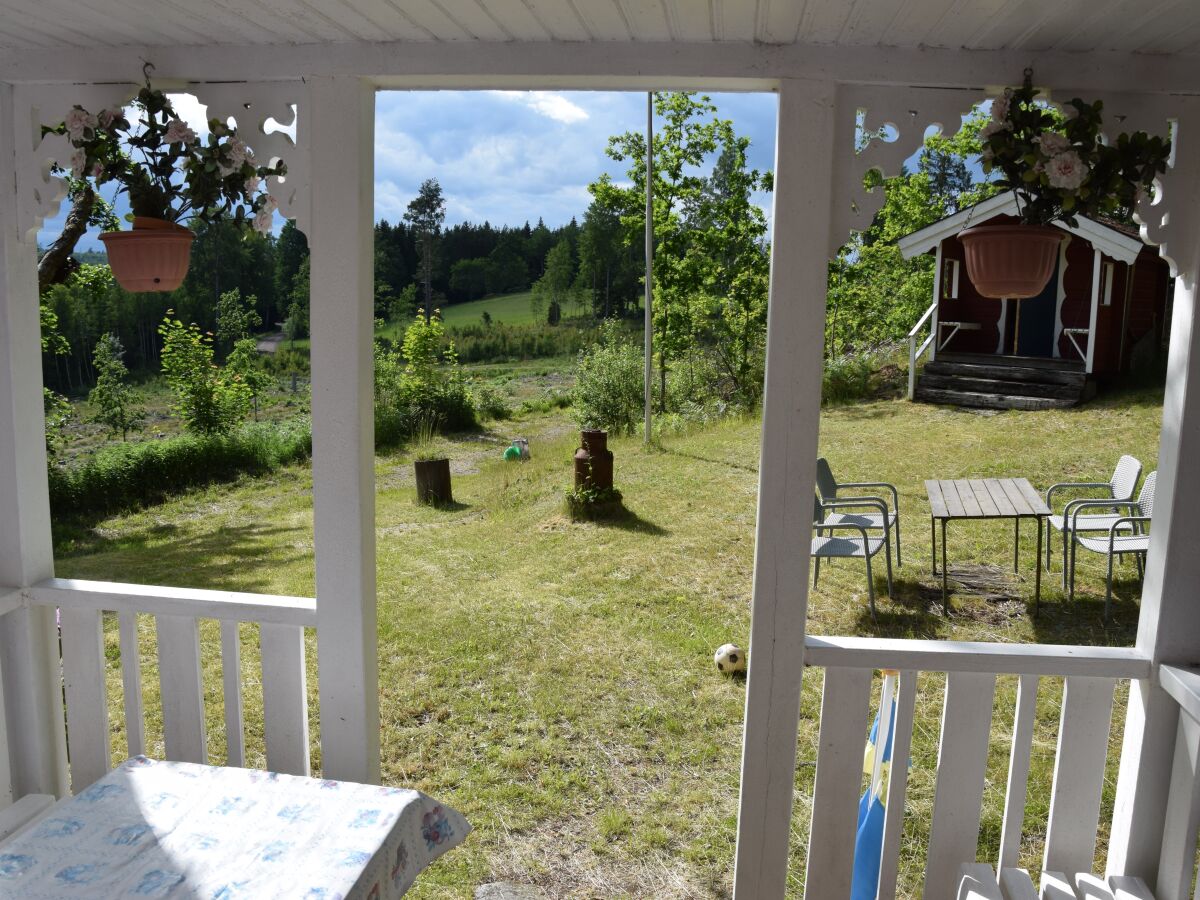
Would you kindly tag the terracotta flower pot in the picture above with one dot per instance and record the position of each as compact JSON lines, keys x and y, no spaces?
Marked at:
{"x":1010,"y":261}
{"x":154,"y":256}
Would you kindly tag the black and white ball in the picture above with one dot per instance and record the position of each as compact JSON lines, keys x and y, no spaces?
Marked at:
{"x":730,"y":658}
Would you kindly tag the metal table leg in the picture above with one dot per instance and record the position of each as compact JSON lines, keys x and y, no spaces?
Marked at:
{"x":933,"y":545}
{"x":1017,"y":545}
{"x":1037,"y":578}
{"x":945,"y":600}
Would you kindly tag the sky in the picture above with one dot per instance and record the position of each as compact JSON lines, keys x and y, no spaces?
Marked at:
{"x":507,"y":157}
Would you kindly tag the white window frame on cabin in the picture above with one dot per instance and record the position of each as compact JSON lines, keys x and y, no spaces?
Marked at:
{"x":949,"y":281}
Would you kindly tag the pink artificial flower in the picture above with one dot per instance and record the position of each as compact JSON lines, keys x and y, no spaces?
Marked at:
{"x":78,"y":161}
{"x":97,"y":169}
{"x":270,"y":204}
{"x":108,"y":116}
{"x":1053,"y":143}
{"x":79,"y":121}
{"x":1066,"y":171}
{"x":178,"y":132}
{"x":252,"y":184}
{"x":994,"y":128}
{"x":1000,"y":106}
{"x":263,"y":220}
{"x":237,"y":152}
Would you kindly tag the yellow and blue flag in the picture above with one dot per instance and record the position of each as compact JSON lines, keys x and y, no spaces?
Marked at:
{"x":877,"y":762}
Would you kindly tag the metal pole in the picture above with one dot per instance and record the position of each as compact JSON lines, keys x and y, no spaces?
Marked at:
{"x":649,"y":253}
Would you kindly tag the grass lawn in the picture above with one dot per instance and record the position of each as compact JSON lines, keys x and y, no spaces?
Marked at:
{"x":554,"y":680}
{"x":511,"y":309}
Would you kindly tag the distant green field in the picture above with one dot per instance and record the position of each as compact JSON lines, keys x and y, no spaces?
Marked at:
{"x":511,"y":309}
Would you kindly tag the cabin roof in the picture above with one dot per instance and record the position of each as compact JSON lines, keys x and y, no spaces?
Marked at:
{"x":1105,"y":238}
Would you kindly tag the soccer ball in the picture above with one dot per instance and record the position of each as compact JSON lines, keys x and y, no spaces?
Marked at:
{"x":730,"y":658}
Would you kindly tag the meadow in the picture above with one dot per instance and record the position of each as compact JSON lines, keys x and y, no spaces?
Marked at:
{"x":554,"y":680}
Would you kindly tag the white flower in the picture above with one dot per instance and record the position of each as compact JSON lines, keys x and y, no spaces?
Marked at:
{"x":1053,"y":143}
{"x":108,"y":116}
{"x":225,"y":170}
{"x":263,"y":220}
{"x":237,"y":151}
{"x":178,"y":132}
{"x":270,"y":204}
{"x":1066,"y":171}
{"x":252,"y":184}
{"x":97,"y":169}
{"x":79,"y":121}
{"x":78,"y":161}
{"x":1000,"y":107}
{"x":994,"y":128}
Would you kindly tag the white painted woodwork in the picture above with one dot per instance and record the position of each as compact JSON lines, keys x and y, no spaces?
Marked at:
{"x":937,"y":303}
{"x":227,"y":606}
{"x":791,"y":414}
{"x":87,"y":697}
{"x":1182,"y":683}
{"x":16,"y":818}
{"x":231,"y":686}
{"x":962,"y":763}
{"x":342,"y":325}
{"x":1178,"y":855}
{"x":893,"y":822}
{"x":1169,"y":617}
{"x":1056,"y":886}
{"x":1015,"y":884}
{"x":977,"y":881}
{"x":975,"y":656}
{"x":32,"y":703}
{"x":6,"y":791}
{"x":182,"y":688}
{"x":867,"y":23}
{"x":1078,"y":774}
{"x":1129,"y":887}
{"x":131,"y":684}
{"x":1018,"y":771}
{"x":10,"y":601}
{"x":285,"y":698}
{"x":845,"y":701}
{"x":1093,"y":310}
{"x":1090,"y":887}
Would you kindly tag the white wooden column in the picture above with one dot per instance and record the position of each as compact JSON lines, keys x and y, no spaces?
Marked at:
{"x":791,"y":411}
{"x":340,"y":128}
{"x":1169,"y":621}
{"x":32,"y":700}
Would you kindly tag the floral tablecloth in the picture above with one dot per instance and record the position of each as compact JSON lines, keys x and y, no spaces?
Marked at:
{"x":179,"y":830}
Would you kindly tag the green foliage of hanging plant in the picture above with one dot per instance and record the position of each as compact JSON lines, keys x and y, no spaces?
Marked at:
{"x":1059,"y":165}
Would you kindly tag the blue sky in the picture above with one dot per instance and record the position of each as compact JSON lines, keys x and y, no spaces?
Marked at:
{"x":510,"y":156}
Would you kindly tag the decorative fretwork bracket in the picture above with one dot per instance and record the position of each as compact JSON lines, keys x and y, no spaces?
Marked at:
{"x":251,"y":104}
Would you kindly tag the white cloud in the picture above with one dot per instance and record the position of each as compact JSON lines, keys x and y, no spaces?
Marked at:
{"x":551,"y":105}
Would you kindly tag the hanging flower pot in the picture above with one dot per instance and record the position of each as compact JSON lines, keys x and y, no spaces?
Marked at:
{"x":154,"y":256}
{"x":1010,"y":261}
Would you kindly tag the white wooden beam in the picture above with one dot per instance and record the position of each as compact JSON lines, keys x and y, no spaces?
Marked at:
{"x":341,"y":238}
{"x":1169,"y":618}
{"x":35,"y":759}
{"x":791,"y":414}
{"x":1093,"y":311}
{"x":629,"y":65}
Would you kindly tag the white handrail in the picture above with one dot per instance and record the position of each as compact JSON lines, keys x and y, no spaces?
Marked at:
{"x":975,"y":656}
{"x":915,"y":352}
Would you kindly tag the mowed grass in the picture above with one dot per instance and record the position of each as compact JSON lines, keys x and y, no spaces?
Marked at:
{"x":554,"y":680}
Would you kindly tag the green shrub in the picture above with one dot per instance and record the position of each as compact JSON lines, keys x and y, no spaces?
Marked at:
{"x":491,"y":403}
{"x":503,"y":343}
{"x":848,"y":377}
{"x":127,"y":476}
{"x":210,"y":400}
{"x":608,"y":390}
{"x":552,"y":399}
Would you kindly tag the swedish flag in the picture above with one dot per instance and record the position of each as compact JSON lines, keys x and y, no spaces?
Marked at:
{"x":877,"y":762}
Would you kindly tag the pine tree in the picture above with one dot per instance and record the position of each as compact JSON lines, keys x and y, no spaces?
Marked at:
{"x":118,"y":405}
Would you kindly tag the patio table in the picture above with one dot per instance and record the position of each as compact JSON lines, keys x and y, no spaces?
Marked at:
{"x":986,"y":498}
{"x":167,"y":829}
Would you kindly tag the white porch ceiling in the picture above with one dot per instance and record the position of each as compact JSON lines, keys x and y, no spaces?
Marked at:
{"x":1033,"y":26}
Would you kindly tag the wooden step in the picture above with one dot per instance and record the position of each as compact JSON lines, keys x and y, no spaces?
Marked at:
{"x":982,"y":400}
{"x":1006,"y":387}
{"x":1000,"y":359}
{"x":1004,"y":372}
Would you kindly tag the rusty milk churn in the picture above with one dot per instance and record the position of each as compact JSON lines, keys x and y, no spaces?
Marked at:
{"x":594,"y":461}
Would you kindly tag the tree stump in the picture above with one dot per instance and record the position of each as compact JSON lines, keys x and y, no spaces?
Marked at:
{"x":433,"y":481}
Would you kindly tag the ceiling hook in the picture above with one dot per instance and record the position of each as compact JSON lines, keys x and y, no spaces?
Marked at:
{"x":147,"y":68}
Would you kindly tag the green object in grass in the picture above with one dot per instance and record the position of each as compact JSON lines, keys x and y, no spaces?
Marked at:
{"x":512,"y":453}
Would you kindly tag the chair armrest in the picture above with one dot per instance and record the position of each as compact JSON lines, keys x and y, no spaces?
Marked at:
{"x":1127,"y":520}
{"x":875,"y":484}
{"x":1072,"y":505}
{"x":877,"y":503}
{"x":1077,"y":485}
{"x":1081,"y":505}
{"x":846,"y":526}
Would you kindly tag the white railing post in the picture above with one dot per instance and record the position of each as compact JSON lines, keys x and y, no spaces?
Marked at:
{"x":340,"y":126}
{"x":791,"y":416}
{"x":937,"y":298}
{"x":35,"y":761}
{"x":1169,"y":618}
{"x":1094,"y":312}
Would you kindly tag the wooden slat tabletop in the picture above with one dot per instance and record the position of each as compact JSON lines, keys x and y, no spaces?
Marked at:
{"x":984,"y":498}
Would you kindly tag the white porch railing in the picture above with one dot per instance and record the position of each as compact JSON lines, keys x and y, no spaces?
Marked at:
{"x":1090,"y":677}
{"x":915,"y":352}
{"x":177,"y":614}
{"x":1177,"y":862}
